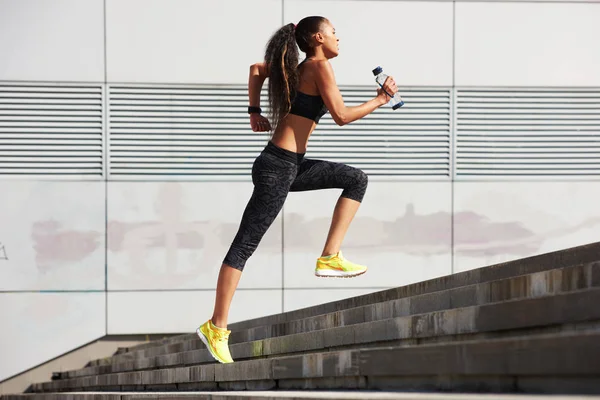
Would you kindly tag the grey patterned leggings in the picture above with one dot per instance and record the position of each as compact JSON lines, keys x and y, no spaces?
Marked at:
{"x":275,"y":173}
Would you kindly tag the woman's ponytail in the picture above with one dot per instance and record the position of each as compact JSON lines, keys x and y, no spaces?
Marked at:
{"x":281,"y":57}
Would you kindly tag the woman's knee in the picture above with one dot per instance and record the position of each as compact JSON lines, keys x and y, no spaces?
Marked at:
{"x":358,"y":187}
{"x":236,"y":258}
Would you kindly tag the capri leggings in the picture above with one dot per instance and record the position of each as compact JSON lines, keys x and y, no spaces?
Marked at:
{"x":275,"y":173}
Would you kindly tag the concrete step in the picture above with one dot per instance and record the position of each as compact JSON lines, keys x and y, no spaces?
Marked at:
{"x":546,"y":363}
{"x":288,"y":395}
{"x":558,"y":259}
{"x":538,"y":284}
{"x":556,"y":313}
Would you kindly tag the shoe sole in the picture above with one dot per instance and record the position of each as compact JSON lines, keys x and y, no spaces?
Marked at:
{"x":337,"y":274}
{"x":205,"y":341}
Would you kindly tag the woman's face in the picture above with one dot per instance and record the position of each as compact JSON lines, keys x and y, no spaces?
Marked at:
{"x":328,"y":40}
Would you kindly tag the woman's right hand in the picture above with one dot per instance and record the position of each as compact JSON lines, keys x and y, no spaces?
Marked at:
{"x":390,"y":87}
{"x":259,"y":123}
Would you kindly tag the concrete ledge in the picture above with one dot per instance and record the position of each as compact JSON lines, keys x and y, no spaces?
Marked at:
{"x":347,"y":382}
{"x":558,"y":259}
{"x":244,"y":371}
{"x":531,"y":285}
{"x":537,"y":331}
{"x":332,"y":330}
{"x":556,"y":355}
{"x":553,"y":363}
{"x":288,"y":395}
{"x":360,"y":394}
{"x":353,"y":363}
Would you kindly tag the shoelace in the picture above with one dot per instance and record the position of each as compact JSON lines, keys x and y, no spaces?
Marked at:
{"x":222,"y":336}
{"x":338,"y":257}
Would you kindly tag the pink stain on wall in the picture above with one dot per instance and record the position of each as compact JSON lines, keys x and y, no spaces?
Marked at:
{"x":424,"y":234}
{"x":186,"y":239}
{"x":54,"y":244}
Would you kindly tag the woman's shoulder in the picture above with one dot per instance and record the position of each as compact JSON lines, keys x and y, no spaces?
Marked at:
{"x":316,"y":63}
{"x":317,"y":67}
{"x":313,"y":72}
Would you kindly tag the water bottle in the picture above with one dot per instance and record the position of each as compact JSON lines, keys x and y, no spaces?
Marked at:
{"x":396,"y":101}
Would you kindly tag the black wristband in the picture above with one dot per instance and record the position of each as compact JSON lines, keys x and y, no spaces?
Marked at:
{"x":252,"y":110}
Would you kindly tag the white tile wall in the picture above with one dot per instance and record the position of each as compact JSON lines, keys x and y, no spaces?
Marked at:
{"x":52,"y":40}
{"x":410,"y":40}
{"x":401,"y":232}
{"x":174,"y":235}
{"x":502,"y":221}
{"x":187,"y":41}
{"x":165,"y":236}
{"x":300,"y":298}
{"x":182,"y":311}
{"x":37,"y":327}
{"x":527,"y":44}
{"x":52,"y":235}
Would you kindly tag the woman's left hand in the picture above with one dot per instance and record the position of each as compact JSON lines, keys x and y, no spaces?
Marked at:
{"x":259,"y":123}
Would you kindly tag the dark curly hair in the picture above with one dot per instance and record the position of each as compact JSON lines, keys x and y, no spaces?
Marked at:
{"x":281,"y":58}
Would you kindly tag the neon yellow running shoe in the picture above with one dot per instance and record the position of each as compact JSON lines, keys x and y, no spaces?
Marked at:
{"x":337,"y":266}
{"x":216,"y":340}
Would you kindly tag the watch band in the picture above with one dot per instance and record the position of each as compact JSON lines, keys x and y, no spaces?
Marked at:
{"x":252,"y":110}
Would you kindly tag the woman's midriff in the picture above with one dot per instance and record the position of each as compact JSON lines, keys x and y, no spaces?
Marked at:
{"x":293,"y":132}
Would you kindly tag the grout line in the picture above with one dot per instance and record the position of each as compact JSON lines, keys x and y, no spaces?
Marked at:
{"x":452,"y":138}
{"x":490,"y":179}
{"x":106,"y":171}
{"x":489,"y":1}
{"x":241,"y":86}
{"x":183,"y":290}
{"x":58,"y":291}
{"x":453,"y":45}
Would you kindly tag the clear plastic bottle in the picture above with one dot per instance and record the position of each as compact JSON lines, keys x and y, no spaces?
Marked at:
{"x":396,"y":101}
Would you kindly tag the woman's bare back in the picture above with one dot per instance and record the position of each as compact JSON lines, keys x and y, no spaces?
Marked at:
{"x":293,"y":131}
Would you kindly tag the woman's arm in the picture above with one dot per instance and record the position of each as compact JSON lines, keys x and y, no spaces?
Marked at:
{"x":258,"y":74}
{"x":330,"y":93}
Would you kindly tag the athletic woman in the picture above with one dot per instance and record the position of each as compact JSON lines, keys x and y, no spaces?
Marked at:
{"x":299,"y":95}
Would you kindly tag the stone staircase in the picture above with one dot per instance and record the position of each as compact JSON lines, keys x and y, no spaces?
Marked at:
{"x":526,"y":326}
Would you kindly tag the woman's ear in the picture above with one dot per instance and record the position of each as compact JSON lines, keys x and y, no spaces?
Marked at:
{"x":319,"y":37}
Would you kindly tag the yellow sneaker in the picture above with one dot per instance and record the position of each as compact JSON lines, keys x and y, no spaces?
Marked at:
{"x":337,"y":266}
{"x":216,"y":340}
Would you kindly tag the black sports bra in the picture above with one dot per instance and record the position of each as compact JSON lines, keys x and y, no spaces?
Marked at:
{"x":309,"y":106}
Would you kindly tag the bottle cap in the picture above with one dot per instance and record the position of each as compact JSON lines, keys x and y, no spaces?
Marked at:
{"x":377,"y":71}
{"x":397,"y":106}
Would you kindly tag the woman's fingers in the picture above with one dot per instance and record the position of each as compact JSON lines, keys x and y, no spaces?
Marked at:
{"x":258,"y":123}
{"x":263,"y":126}
{"x":393,"y":88}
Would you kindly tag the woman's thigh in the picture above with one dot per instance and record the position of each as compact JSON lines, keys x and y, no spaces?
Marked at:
{"x":321,"y":174}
